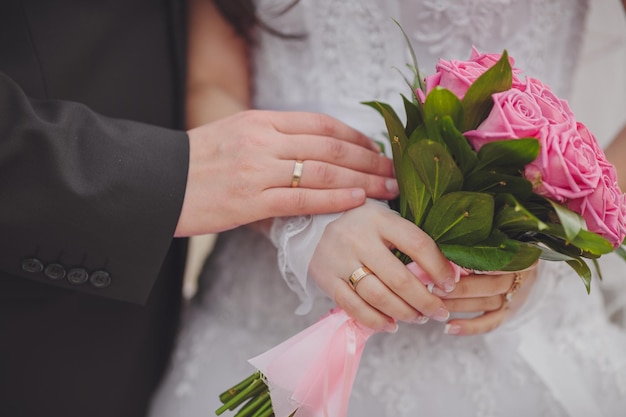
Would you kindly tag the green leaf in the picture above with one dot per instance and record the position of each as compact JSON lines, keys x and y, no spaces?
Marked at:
{"x":586,"y":244}
{"x":596,"y":266}
{"x":513,"y":217}
{"x":593,"y":245}
{"x":415,"y":195}
{"x":413,"y":116}
{"x":418,"y":134}
{"x":526,"y":255}
{"x":441,"y":102}
{"x":491,"y":254}
{"x":549,"y":254}
{"x":583,"y":271}
{"x":398,"y":140}
{"x":477,"y":102}
{"x":497,"y":183}
{"x":436,"y":168}
{"x":418,"y":79}
{"x":458,"y":146}
{"x":460,"y":217}
{"x":513,"y":154}
{"x":572,"y":222}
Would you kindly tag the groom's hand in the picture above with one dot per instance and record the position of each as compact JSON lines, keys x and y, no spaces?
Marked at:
{"x":242,"y":169}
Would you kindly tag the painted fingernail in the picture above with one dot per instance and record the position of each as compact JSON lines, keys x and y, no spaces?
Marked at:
{"x":420,"y":319}
{"x":392,"y":186}
{"x":452,"y":329}
{"x":431,"y":287}
{"x":391,"y":327}
{"x":441,"y":314}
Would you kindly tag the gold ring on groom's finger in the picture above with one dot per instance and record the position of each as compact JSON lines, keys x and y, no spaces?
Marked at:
{"x":358,"y":274}
{"x":517,"y":284}
{"x":297,"y":173}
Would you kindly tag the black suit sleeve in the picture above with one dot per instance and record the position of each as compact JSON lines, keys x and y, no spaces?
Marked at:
{"x":86,"y":202}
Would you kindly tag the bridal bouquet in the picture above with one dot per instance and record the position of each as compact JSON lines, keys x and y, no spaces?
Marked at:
{"x":499,"y":173}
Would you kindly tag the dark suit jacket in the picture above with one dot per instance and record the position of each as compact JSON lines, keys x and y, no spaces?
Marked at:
{"x":92,"y":178}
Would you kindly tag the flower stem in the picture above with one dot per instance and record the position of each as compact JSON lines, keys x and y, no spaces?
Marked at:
{"x":252,"y":404}
{"x":241,"y":396}
{"x":231,"y":392}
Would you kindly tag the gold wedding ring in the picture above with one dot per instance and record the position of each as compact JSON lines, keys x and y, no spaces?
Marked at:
{"x":358,"y":274}
{"x":297,"y":173}
{"x":517,"y":284}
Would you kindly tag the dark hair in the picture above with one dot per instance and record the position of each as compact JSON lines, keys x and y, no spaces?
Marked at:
{"x":242,"y":15}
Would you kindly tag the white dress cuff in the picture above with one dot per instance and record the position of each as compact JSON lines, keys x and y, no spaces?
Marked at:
{"x":296,"y":239}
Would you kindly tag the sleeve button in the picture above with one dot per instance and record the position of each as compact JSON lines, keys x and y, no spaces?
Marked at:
{"x":32,"y":265}
{"x":77,"y":276}
{"x":100,"y":279}
{"x":54,"y":271}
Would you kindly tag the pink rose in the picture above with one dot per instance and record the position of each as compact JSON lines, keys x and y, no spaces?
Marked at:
{"x":458,"y":76}
{"x":567,"y":166}
{"x":591,"y":140}
{"x":515,"y":114}
{"x":604,"y":210}
{"x":555,"y":110}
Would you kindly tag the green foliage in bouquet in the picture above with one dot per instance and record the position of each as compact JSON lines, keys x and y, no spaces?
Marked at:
{"x":478,"y":206}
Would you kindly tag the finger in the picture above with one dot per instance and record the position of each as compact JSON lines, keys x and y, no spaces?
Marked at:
{"x":278,"y":202}
{"x":473,"y":286}
{"x":474,"y":305}
{"x":380,"y":297}
{"x":394,"y":276}
{"x":361,"y":311}
{"x":336,"y":152}
{"x":423,"y":250}
{"x":321,"y":175}
{"x":482,"y":324}
{"x":297,"y":123}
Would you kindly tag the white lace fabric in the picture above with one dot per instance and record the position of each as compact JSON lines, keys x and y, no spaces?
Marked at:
{"x":296,"y":239}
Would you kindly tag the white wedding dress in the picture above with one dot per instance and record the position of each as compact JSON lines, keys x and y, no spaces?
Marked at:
{"x":558,"y":357}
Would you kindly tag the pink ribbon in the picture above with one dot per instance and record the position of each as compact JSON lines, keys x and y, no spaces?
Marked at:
{"x":313,"y":371}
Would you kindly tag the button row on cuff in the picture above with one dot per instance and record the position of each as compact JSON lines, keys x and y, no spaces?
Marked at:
{"x":76,"y":276}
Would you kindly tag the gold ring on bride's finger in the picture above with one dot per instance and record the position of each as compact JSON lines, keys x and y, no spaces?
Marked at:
{"x":358,"y":274}
{"x":517,"y":284}
{"x":297,"y":173}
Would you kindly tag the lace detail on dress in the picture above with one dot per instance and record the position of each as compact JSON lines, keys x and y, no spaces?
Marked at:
{"x":353,"y":45}
{"x":296,"y":239}
{"x":284,"y":228}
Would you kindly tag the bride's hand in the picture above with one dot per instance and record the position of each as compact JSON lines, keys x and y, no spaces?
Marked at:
{"x":363,"y":237}
{"x":487,"y":294}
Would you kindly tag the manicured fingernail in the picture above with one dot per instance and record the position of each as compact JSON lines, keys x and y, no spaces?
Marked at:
{"x":358,"y":194}
{"x":441,"y":314}
{"x":431,"y":287}
{"x":421,"y":319}
{"x":439,"y":292}
{"x":452,"y":329}
{"x":449,"y":286}
{"x":392,"y":186}
{"x":391,"y":327}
